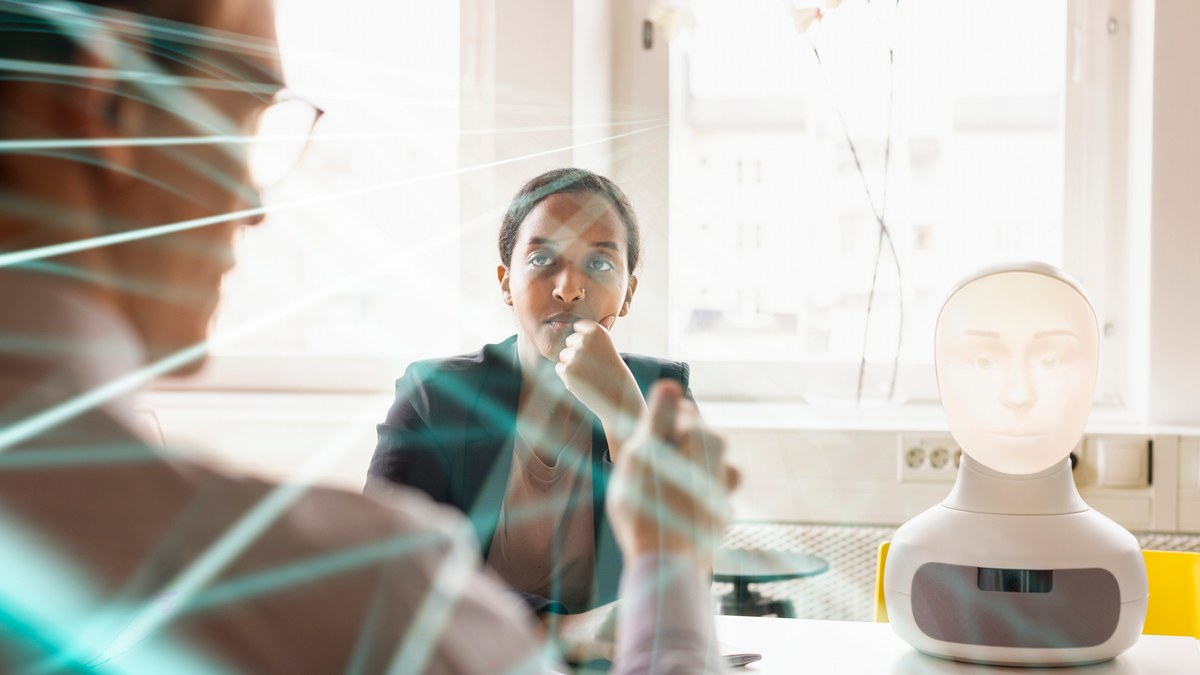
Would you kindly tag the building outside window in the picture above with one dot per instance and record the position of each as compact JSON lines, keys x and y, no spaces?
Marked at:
{"x":956,"y":114}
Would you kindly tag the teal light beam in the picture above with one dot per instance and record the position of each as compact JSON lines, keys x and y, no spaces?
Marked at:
{"x":47,"y":419}
{"x":338,"y":562}
{"x":201,"y":571}
{"x":197,"y":576}
{"x":46,"y":600}
{"x":141,"y":77}
{"x":51,"y":417}
{"x":74,"y":143}
{"x":16,"y":257}
{"x":433,"y":615}
{"x":140,"y":25}
{"x":274,"y":580}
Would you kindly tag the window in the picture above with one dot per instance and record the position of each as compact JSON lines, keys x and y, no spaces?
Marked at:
{"x":773,"y":238}
{"x":981,"y":142}
{"x":318,"y":298}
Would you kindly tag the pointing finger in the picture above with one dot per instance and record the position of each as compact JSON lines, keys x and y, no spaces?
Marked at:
{"x":663,"y":406}
{"x":691,"y":434}
{"x":733,"y":478}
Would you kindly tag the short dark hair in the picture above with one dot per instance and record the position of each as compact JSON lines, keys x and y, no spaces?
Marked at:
{"x":29,"y":35}
{"x":568,"y":181}
{"x":172,"y":33}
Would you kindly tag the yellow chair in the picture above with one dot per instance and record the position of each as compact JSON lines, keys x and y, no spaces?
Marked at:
{"x":1174,"y":607}
{"x":1174,"y":593}
{"x":880,"y":607}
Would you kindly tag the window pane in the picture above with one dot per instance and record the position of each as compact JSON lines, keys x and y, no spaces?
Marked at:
{"x":347,"y":265}
{"x":773,"y":237}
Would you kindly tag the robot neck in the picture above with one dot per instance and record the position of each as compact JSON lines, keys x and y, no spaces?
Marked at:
{"x":979,"y":489}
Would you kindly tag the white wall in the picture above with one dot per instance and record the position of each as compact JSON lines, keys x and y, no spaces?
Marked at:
{"x":516,"y":74}
{"x":814,"y":470}
{"x":1134,"y":164}
{"x":853,"y":476}
{"x":641,"y":92}
{"x":1174,"y":350}
{"x":591,"y":84}
{"x":273,"y":436}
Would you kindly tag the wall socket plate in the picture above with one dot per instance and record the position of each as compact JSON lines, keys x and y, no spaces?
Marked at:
{"x":929,"y":458}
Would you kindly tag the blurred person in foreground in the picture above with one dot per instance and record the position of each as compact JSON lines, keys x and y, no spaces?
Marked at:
{"x":117,"y":558}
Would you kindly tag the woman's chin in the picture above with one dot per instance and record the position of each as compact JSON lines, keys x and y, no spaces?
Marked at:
{"x":550,"y":344}
{"x":549,"y":349}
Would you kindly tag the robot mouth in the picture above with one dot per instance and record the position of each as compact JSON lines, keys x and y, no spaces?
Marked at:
{"x":1019,"y":437}
{"x":1017,"y":441}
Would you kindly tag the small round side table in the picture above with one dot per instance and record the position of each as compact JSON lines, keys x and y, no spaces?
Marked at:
{"x":743,"y":567}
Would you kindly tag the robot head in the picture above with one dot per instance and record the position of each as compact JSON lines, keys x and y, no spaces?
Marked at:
{"x":1016,"y":350}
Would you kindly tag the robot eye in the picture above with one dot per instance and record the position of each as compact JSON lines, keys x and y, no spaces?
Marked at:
{"x":1049,"y":364}
{"x":984,"y":363}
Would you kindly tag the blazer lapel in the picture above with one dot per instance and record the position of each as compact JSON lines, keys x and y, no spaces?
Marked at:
{"x":487,"y":458}
{"x":608,"y":556}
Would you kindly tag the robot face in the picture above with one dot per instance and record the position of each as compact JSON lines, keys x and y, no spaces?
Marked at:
{"x":1016,"y":356}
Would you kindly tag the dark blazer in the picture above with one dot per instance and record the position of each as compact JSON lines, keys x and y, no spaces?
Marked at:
{"x":450,"y":433}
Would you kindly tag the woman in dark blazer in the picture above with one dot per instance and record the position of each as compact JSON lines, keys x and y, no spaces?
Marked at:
{"x":521,"y":435}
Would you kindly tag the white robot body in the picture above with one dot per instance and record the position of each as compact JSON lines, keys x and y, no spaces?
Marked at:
{"x":1013,"y":568}
{"x":1049,"y":583}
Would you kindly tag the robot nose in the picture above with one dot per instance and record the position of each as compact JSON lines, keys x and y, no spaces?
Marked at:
{"x":1018,"y":390}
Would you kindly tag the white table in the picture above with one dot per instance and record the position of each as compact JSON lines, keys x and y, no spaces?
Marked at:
{"x":858,"y":648}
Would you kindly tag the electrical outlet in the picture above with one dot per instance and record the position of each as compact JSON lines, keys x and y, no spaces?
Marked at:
{"x":928,"y":459}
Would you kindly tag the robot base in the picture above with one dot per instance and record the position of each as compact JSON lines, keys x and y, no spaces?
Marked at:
{"x":1025,"y":590}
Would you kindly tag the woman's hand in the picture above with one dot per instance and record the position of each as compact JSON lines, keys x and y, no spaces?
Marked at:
{"x":594,"y":372}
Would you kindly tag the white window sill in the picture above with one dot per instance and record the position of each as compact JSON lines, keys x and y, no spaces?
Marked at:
{"x":909,"y":417}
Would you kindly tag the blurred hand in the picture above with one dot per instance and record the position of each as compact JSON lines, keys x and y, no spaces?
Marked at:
{"x":670,"y":489}
{"x":593,"y":371}
{"x":586,"y":636}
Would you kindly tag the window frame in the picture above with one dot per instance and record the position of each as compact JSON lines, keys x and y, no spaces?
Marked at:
{"x":1097,"y":137}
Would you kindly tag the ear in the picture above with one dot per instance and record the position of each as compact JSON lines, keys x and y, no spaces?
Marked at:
{"x":104,"y":111}
{"x":629,"y":295}
{"x":502,"y":276}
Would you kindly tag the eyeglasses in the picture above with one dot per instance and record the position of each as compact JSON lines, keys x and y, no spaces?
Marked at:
{"x":283,"y":133}
{"x":283,"y":129}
